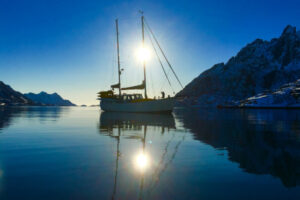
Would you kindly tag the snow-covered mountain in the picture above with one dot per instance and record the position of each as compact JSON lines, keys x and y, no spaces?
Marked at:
{"x":9,"y":96}
{"x":259,"y":66}
{"x":49,"y":99}
{"x":287,"y":96}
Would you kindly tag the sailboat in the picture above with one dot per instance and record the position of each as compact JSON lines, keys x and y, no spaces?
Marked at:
{"x":122,"y":102}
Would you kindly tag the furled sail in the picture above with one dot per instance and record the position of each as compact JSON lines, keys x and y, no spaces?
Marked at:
{"x":136,"y":87}
{"x":115,"y":86}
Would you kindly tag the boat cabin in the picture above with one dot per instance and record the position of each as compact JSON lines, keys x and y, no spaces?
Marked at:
{"x":131,"y":97}
{"x":124,"y":97}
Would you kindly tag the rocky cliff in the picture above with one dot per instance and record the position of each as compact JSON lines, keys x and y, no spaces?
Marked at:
{"x":9,"y":96}
{"x":259,"y":66}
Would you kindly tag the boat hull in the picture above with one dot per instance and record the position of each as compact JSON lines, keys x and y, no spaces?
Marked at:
{"x":151,"y":106}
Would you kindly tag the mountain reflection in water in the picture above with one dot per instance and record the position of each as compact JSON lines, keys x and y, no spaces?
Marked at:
{"x":9,"y":114}
{"x":261,"y":141}
{"x":83,"y":153}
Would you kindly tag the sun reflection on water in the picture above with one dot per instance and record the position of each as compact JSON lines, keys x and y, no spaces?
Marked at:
{"x":141,"y":162}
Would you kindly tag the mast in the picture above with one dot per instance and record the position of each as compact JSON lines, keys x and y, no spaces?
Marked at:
{"x":143,"y":46}
{"x":118,"y":52}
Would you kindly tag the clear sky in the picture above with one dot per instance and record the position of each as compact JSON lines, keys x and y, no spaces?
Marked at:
{"x":68,"y":46}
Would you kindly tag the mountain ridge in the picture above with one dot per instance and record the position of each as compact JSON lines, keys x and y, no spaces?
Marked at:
{"x":9,"y":96}
{"x":53,"y":99}
{"x":260,"y":65}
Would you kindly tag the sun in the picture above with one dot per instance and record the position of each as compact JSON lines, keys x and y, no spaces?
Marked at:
{"x":142,"y":54}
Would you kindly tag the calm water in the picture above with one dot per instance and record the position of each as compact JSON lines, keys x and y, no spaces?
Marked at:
{"x":81,"y":153}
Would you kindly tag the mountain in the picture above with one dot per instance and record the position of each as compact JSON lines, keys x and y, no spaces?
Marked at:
{"x":9,"y":96}
{"x":259,"y":66}
{"x":49,"y":99}
{"x":287,"y":96}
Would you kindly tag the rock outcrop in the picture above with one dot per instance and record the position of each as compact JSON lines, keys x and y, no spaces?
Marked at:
{"x":287,"y":96}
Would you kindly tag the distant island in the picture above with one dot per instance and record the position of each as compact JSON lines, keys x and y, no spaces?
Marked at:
{"x":10,"y":97}
{"x":260,"y":67}
{"x":94,"y":105}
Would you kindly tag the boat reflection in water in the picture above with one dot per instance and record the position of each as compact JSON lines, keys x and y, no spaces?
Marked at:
{"x":261,"y":142}
{"x":128,"y":121}
{"x":191,"y":154}
{"x":147,"y":162}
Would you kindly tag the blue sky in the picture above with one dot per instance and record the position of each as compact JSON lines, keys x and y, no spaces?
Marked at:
{"x":68,"y":46}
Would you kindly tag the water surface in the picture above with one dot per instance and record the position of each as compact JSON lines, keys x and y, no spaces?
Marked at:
{"x":81,"y":153}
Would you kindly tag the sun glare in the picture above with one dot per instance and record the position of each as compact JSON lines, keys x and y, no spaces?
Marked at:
{"x":143,"y":54}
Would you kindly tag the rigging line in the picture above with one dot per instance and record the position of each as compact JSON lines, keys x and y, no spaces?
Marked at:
{"x":168,"y":163}
{"x":163,"y":53}
{"x":151,"y":81}
{"x":165,"y":83}
{"x":156,"y":171}
{"x":162,"y":66}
